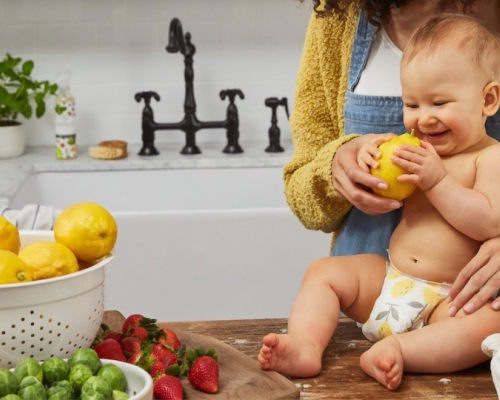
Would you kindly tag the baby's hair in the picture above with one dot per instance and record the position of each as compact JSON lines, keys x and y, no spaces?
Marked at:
{"x":469,"y":35}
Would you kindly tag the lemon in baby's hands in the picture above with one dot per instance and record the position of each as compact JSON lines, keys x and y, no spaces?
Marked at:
{"x":389,"y":172}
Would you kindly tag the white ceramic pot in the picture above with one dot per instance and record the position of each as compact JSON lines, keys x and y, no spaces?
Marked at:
{"x":12,"y":140}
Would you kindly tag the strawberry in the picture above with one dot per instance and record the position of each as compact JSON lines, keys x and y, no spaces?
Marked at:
{"x":169,"y":338}
{"x":110,"y":349}
{"x":140,"y":332}
{"x":164,"y":353}
{"x":130,"y":345}
{"x":113,"y":335}
{"x":158,"y":368}
{"x":168,"y":387}
{"x":132,"y":321}
{"x":137,"y":358}
{"x":203,"y":371}
{"x":106,"y":333}
{"x":140,"y":326}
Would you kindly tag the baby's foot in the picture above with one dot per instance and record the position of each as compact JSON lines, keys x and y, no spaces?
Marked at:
{"x":288,"y":356}
{"x":384,"y":362}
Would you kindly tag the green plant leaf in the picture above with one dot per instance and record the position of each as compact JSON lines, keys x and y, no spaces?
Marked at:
{"x":19,"y":92}
{"x":28,"y":67}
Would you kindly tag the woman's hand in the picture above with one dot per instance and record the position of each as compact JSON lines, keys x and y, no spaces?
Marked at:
{"x":478,"y":281}
{"x":354,"y":184}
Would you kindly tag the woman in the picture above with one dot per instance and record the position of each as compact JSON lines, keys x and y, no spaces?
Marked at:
{"x":348,"y":89}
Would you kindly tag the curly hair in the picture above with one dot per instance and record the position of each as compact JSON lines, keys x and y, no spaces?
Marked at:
{"x":379,"y":10}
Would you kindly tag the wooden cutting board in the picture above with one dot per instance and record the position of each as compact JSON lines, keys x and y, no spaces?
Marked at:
{"x":240,"y":377}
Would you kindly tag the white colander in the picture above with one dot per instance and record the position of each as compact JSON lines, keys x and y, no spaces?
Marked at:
{"x":50,"y":317}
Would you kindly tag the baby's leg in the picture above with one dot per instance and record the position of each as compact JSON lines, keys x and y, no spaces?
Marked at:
{"x":384,"y":362}
{"x":447,"y":344}
{"x":331,"y":284}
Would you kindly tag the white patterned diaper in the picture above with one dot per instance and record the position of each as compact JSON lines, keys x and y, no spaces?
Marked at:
{"x":404,"y":304}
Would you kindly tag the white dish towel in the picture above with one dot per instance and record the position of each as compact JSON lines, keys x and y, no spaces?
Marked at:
{"x":31,"y":217}
{"x":491,"y":347}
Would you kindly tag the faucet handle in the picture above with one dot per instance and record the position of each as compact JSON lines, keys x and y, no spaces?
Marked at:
{"x":146,"y":96}
{"x":231,"y":94}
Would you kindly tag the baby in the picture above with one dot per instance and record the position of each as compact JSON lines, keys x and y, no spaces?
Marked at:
{"x":449,"y":73}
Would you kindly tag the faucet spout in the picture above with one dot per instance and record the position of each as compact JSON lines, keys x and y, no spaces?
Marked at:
{"x":177,"y":41}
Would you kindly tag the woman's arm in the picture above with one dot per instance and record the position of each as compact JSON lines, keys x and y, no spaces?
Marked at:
{"x":323,"y":179}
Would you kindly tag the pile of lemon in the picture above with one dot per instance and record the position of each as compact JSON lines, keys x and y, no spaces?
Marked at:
{"x":84,"y":233}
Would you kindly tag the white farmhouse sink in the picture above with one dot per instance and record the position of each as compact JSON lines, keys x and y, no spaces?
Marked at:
{"x":193,"y":244}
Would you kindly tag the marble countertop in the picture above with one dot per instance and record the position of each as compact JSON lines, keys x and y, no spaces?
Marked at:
{"x":14,"y":171}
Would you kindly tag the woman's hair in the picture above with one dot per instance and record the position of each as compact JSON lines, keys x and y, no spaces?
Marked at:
{"x":468,"y":35}
{"x":378,"y":10}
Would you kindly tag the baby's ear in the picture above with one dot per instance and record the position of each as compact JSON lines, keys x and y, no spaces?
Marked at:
{"x":491,"y":95}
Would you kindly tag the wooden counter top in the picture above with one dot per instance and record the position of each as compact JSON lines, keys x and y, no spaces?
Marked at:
{"x":342,"y":376}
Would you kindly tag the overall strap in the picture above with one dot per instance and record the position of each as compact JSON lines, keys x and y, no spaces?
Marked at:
{"x":363,"y":40}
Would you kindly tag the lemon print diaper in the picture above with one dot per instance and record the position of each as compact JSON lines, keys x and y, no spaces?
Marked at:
{"x":403,"y":305}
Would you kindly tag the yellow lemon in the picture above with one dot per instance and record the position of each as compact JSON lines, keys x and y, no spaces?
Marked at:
{"x":389,"y":172}
{"x":13,"y":269}
{"x":88,"y":229}
{"x":9,"y":236}
{"x":48,"y":260}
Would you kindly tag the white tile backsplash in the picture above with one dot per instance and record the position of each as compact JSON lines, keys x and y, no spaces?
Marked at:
{"x":116,"y":48}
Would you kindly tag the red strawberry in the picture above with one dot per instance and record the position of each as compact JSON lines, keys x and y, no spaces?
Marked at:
{"x":203,"y":371}
{"x":137,"y":358}
{"x":168,"y":387}
{"x":132,"y":321}
{"x":140,"y":332}
{"x":110,"y":349}
{"x":138,"y":325}
{"x":130,"y":345}
{"x":163,"y":353}
{"x":113,"y":335}
{"x":158,"y":368}
{"x":169,"y":339}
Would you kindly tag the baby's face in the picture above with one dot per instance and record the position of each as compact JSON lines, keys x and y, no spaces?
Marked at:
{"x":443,"y":100}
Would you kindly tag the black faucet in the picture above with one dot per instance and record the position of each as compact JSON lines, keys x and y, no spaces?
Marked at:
{"x":274,"y":130}
{"x":189,"y":124}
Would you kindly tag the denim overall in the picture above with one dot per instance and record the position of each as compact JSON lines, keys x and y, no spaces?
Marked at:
{"x":360,"y":232}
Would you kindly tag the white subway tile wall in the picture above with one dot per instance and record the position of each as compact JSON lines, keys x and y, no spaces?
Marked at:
{"x":116,"y":48}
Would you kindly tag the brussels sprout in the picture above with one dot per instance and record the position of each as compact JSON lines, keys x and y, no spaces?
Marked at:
{"x":86,"y":356}
{"x":11,"y":397}
{"x":78,"y":375}
{"x":54,"y":370}
{"x":114,"y":375}
{"x":31,"y":388}
{"x":61,"y":390}
{"x":96,"y":388}
{"x":118,"y":395}
{"x":28,"y":367}
{"x":8,"y":382}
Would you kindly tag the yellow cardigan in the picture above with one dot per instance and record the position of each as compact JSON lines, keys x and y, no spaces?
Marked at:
{"x":317,"y":121}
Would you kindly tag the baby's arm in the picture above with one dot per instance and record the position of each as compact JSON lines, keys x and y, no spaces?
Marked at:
{"x":474,"y":211}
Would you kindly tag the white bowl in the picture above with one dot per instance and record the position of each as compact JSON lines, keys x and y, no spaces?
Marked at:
{"x":139,"y":382}
{"x":50,"y":317}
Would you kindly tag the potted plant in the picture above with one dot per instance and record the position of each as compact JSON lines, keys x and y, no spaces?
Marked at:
{"x":20,"y":94}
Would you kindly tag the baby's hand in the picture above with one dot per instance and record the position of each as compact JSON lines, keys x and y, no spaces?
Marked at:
{"x":368,"y":153}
